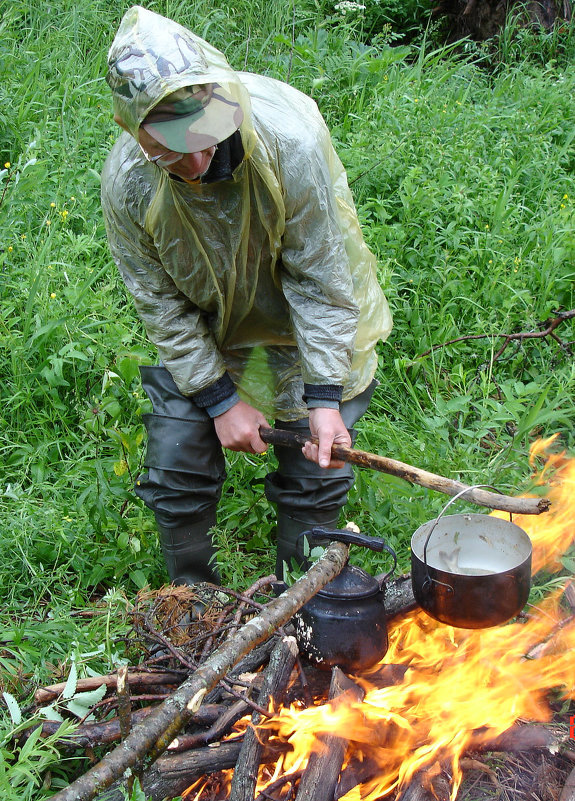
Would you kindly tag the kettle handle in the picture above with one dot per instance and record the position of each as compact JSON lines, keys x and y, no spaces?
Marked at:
{"x":352,"y":538}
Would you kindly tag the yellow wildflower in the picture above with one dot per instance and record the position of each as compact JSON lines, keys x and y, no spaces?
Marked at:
{"x":52,"y":294}
{"x":7,"y":165}
{"x":10,"y":248}
{"x":52,"y":205}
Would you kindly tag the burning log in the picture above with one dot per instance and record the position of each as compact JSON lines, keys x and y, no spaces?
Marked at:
{"x":319,"y":779}
{"x":277,"y":677}
{"x":152,"y":737}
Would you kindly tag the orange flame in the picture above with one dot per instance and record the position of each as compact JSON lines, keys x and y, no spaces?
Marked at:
{"x":461,"y":687}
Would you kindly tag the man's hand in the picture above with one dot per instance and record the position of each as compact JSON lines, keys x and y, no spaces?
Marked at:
{"x":238,"y":428}
{"x":329,"y":428}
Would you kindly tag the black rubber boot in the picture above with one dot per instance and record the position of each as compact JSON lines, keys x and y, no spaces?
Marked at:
{"x":288,"y":530}
{"x":189,"y":553}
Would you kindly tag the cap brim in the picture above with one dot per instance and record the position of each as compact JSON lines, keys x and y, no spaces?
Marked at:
{"x":190,"y":133}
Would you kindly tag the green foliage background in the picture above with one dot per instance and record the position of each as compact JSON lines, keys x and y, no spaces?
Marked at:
{"x":461,"y":161}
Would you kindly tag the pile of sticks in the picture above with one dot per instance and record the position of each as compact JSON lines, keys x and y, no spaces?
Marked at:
{"x":174,"y":715}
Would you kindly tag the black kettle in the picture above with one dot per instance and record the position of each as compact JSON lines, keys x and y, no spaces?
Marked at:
{"x":344,"y":624}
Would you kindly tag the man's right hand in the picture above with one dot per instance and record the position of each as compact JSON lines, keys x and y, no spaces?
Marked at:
{"x":238,"y":428}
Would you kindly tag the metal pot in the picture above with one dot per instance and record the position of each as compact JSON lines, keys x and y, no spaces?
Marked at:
{"x":470,"y":571}
{"x":345,"y":624}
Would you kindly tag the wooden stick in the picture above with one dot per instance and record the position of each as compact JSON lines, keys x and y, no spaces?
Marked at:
{"x":170,"y":776}
{"x":45,"y":695}
{"x":568,"y":791}
{"x":151,"y":738}
{"x":319,"y":779}
{"x":492,"y":500}
{"x":276,"y":680}
{"x":231,"y":714}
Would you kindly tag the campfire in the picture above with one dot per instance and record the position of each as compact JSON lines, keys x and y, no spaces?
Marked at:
{"x":460,"y":690}
{"x":406,"y":729}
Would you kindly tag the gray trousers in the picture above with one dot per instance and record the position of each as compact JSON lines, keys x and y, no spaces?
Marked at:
{"x":186,"y":467}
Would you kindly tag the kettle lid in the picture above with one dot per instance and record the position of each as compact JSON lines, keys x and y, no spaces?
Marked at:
{"x":352,"y":582}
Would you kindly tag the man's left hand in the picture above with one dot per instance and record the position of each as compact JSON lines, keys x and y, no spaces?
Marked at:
{"x":329,"y":428}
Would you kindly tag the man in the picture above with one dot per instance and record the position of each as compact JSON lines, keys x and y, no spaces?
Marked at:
{"x":229,"y":216}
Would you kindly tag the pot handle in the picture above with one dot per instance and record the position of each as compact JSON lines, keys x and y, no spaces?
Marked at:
{"x":429,"y":580}
{"x":352,"y":538}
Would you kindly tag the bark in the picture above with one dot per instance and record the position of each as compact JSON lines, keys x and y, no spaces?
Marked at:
{"x":319,"y":779}
{"x":150,"y":739}
{"x":415,"y":475}
{"x":275,"y":683}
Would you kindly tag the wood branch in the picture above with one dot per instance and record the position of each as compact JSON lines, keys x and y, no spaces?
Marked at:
{"x":221,"y":727}
{"x":170,"y":776}
{"x":45,"y":695}
{"x":275,"y":683}
{"x":91,"y":735}
{"x":550,"y":326}
{"x":414,"y":475}
{"x":427,"y":784}
{"x":516,"y":739}
{"x":568,"y":791}
{"x":150,"y":739}
{"x":124,"y":702}
{"x":319,"y":779}
{"x":399,"y":598}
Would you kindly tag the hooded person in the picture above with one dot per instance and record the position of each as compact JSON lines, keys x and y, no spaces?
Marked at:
{"x":230,"y":219}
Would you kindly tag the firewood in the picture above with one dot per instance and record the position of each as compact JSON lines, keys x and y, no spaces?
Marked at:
{"x":135,"y":679}
{"x":170,"y":776}
{"x":516,"y":739}
{"x":399,"y":598}
{"x":319,"y":779}
{"x":277,"y":677}
{"x":568,"y":791}
{"x":221,"y":727}
{"x":151,"y":738}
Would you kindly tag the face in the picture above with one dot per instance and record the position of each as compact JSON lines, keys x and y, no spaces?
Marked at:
{"x":190,"y":167}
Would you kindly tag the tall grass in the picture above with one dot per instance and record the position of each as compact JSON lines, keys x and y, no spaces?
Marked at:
{"x":463,"y":173}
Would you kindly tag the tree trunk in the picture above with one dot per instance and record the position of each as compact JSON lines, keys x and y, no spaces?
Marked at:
{"x":482,"y":19}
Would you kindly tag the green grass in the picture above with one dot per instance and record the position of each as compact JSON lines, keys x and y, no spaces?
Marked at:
{"x":462,"y":166}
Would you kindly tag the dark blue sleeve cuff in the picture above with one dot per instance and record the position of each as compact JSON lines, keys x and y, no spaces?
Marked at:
{"x":220,"y":390}
{"x":322,"y":392}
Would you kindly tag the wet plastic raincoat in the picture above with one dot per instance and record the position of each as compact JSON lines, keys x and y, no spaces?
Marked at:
{"x":266,"y":275}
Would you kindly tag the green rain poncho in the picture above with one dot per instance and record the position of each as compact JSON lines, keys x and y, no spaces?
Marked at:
{"x":266,"y":275}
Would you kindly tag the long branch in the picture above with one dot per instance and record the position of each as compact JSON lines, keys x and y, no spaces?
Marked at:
{"x":551,"y":324}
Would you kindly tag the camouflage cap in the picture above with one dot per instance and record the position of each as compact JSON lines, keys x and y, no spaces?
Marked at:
{"x":194,"y":118}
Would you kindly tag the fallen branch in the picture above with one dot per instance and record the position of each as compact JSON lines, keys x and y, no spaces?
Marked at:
{"x":551,"y":324}
{"x":150,"y":739}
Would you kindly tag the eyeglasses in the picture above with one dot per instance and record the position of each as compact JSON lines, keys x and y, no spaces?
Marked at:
{"x":164,"y":159}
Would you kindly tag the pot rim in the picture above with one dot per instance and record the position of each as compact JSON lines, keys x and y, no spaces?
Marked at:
{"x":506,"y":531}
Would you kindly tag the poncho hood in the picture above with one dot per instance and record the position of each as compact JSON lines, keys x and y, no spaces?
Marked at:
{"x":152,"y":56}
